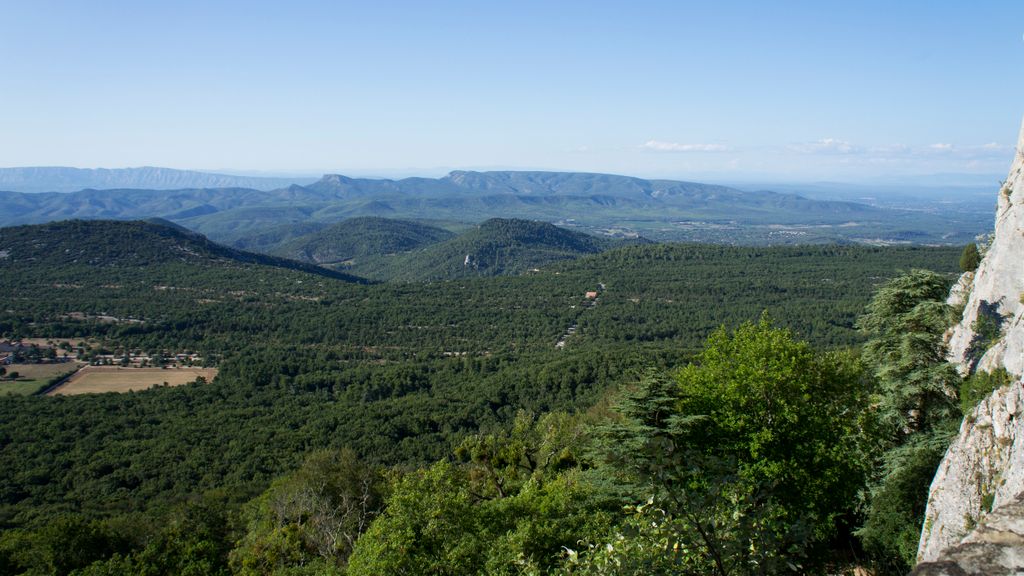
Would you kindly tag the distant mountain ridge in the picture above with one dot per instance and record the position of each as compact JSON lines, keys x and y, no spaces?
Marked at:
{"x":598,"y":203}
{"x":63,"y":179}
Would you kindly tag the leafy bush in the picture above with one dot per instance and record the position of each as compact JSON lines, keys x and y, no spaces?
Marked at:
{"x":970,"y":258}
{"x":314,"y":515}
{"x":748,"y":456}
{"x":975,"y":388}
{"x":988,"y":329}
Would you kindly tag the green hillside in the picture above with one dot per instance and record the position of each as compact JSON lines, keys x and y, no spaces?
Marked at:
{"x":269,"y":238}
{"x":358,"y":238}
{"x":111,"y":246}
{"x":495,"y":247}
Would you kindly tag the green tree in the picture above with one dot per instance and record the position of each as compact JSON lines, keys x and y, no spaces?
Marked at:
{"x":314,"y":515}
{"x":68,"y":543}
{"x":195,"y":542}
{"x":748,"y":455}
{"x":916,"y":401}
{"x":970,"y":258}
{"x":498,"y":464}
{"x":430,"y":526}
{"x":905,"y":322}
{"x":517,"y":500}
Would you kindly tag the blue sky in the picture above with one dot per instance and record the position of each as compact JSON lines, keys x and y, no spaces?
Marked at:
{"x":733,"y":90}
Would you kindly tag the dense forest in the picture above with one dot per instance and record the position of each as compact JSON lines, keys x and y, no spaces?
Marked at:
{"x":663,"y":408}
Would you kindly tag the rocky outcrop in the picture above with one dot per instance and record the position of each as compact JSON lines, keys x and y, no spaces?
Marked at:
{"x":991,"y":333}
{"x":982,"y":471}
{"x":961,"y":291}
{"x":995,"y":547}
{"x":974,"y":523}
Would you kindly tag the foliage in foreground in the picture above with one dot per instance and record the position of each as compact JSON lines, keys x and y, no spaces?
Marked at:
{"x":918,"y":408}
{"x":748,"y":457}
{"x":744,"y":462}
{"x":740,"y":463}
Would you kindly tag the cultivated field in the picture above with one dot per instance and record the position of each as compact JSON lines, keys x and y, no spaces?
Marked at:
{"x":32,"y":378}
{"x":97,"y":379}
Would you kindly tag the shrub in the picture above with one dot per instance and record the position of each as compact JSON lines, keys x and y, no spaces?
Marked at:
{"x":970,"y":258}
{"x":979,"y":385}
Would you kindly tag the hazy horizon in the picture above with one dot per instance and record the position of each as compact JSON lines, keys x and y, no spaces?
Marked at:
{"x":962,"y":179}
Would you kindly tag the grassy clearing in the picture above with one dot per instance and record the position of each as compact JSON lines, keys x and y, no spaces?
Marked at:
{"x":99,"y":379}
{"x":33,"y":378}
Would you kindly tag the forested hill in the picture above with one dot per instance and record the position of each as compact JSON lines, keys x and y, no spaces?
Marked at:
{"x":124,"y":244}
{"x":496,"y":247}
{"x":359,"y":238}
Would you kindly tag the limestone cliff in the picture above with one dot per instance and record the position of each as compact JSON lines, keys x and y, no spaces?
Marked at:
{"x":982,"y":470}
{"x":995,"y":547}
{"x":991,"y":333}
{"x":974,"y":523}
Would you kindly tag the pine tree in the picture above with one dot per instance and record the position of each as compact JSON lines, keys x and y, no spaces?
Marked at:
{"x":970,"y":258}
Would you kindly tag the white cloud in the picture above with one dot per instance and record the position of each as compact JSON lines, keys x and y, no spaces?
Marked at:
{"x":991,"y":150}
{"x":890,"y":149}
{"x":660,"y":146}
{"x":826,"y":146}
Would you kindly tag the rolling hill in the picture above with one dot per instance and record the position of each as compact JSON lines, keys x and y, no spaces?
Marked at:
{"x":496,"y":247}
{"x":100,"y":244}
{"x":359,"y":238}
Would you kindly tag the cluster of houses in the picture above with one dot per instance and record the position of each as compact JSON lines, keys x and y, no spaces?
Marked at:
{"x":13,"y":351}
{"x":145,"y":359}
{"x":39,"y":351}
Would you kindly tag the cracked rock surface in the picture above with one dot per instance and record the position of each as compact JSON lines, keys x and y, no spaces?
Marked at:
{"x":995,"y":303}
{"x":974,"y":523}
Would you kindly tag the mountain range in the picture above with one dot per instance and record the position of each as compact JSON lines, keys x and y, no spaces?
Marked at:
{"x":65,"y":179}
{"x":600,"y":203}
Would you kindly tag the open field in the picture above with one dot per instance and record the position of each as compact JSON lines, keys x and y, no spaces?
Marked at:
{"x":34,"y":377}
{"x":98,"y":379}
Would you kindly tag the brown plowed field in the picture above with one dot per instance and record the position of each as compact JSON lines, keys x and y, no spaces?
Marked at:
{"x":97,"y":379}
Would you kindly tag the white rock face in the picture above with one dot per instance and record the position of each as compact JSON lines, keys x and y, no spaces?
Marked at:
{"x":981,"y":471}
{"x":998,"y":287}
{"x":995,"y":547}
{"x":975,"y":514}
{"x":960,"y":291}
